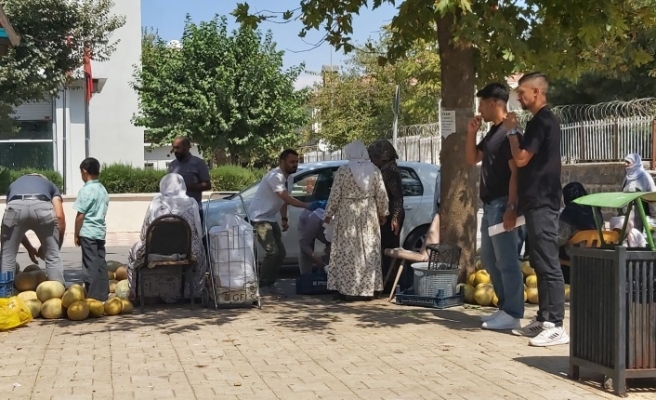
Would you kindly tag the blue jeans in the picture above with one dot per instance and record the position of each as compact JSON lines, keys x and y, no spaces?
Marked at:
{"x":500,"y":258}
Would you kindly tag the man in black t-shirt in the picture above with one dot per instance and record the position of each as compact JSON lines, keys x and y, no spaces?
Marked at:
{"x":539,"y":162}
{"x":498,"y":191}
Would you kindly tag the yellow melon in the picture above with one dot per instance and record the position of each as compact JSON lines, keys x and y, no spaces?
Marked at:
{"x":96,"y":307}
{"x":112,"y":286}
{"x":28,"y":295}
{"x":50,"y":290}
{"x":566,"y":292}
{"x":73,"y":294}
{"x":481,"y":277}
{"x":121,"y":273}
{"x":483,"y":295}
{"x":32,"y":267}
{"x":127,"y":306}
{"x":532,"y":295}
{"x":40,"y":276}
{"x":52,"y":308}
{"x":526,"y":268}
{"x":468,"y":291}
{"x":113,"y":265}
{"x":34,"y":306}
{"x":113,"y":306}
{"x":532,"y":281}
{"x":78,"y":311}
{"x":25,"y":282}
{"x":495,"y":300}
{"x":525,"y":296}
{"x":122,"y":289}
{"x":110,"y":275}
{"x":471,"y":279}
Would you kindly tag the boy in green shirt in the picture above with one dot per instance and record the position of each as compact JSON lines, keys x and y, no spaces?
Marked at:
{"x":90,"y":229}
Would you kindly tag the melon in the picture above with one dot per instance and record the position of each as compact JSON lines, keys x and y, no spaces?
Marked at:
{"x":127,"y":306}
{"x":32,"y":267}
{"x":483,"y":295}
{"x":526,"y":268}
{"x":532,"y":281}
{"x":481,"y":277}
{"x":25,"y":282}
{"x":113,"y":306}
{"x":495,"y":300}
{"x":532,"y":295}
{"x":73,"y":294}
{"x":121,"y":273}
{"x":122,"y":289}
{"x":96,"y":307}
{"x":52,"y":308}
{"x":566,"y":292}
{"x":40,"y":276}
{"x":113,"y":265}
{"x":471,"y":279}
{"x":50,"y":290}
{"x":78,"y":311}
{"x":28,"y":295}
{"x":112,"y":286}
{"x":525,"y":296}
{"x":35,"y":307}
{"x":468,"y":291}
{"x":110,"y":275}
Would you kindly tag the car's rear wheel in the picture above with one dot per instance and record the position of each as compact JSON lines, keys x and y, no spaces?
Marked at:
{"x":416,"y":239}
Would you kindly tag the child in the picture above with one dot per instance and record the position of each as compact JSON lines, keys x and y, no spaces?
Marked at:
{"x":91,"y":206}
{"x":634,"y":238}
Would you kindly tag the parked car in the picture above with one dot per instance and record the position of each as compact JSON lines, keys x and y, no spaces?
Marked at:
{"x":313,"y":181}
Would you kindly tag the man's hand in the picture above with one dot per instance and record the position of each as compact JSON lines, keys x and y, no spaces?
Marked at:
{"x":509,"y":220}
{"x":474,"y":124}
{"x":396,"y":227}
{"x":40,"y":254}
{"x":76,"y":239}
{"x":33,"y":253}
{"x":285,"y":225}
{"x":510,"y":122}
{"x":319,"y":261}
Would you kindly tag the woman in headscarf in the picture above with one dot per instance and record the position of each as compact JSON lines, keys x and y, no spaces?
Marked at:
{"x":637,"y":179}
{"x":172,"y":200}
{"x":384,"y":156}
{"x":359,"y":203}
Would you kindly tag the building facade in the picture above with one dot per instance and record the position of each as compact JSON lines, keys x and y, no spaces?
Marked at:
{"x":54,"y":134}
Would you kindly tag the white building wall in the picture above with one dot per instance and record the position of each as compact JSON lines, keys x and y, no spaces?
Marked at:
{"x":160,"y":157}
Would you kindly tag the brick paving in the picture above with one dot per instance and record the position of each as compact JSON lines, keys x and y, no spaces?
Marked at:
{"x":298,"y":348}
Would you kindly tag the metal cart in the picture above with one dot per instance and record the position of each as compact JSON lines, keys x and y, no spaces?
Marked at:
{"x":233,"y":279}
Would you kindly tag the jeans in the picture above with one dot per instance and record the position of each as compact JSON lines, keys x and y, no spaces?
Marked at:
{"x":542,"y":229}
{"x":269,"y":235}
{"x":38,"y":216}
{"x":95,"y":266}
{"x":501,"y":260}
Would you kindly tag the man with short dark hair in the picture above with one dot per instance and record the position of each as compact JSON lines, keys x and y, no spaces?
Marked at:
{"x":540,"y":193}
{"x":498,"y":192}
{"x":193,"y":169}
{"x":271,"y":198}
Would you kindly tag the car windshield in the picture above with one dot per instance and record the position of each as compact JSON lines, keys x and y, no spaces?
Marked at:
{"x":249,"y":192}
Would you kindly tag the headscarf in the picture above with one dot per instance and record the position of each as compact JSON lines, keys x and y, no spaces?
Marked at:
{"x":382,"y":153}
{"x":362,"y":168}
{"x":580,"y":217}
{"x":637,"y":179}
{"x":634,"y":238}
{"x":173,"y":199}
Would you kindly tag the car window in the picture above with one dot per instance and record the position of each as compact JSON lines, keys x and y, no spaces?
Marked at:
{"x":411,"y":183}
{"x":314,"y":185}
{"x":248,"y":193}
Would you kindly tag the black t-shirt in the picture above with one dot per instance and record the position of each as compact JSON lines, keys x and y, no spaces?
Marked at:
{"x":539,"y":180}
{"x":495,"y":172}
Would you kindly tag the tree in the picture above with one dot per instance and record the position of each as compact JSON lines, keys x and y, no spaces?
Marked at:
{"x":223,"y":91}
{"x":481,"y":41}
{"x":53,"y":36}
{"x":356,"y":102}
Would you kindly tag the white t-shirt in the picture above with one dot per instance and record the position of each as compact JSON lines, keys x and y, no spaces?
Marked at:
{"x":266,"y":203}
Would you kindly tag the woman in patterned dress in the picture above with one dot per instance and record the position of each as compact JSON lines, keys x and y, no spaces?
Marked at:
{"x":172,"y":200}
{"x":358,"y":202}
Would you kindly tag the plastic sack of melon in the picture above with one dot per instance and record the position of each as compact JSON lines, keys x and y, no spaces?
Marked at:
{"x":13,"y":313}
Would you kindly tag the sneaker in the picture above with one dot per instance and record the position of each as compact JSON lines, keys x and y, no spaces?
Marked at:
{"x":533,"y":329}
{"x":490,"y":317}
{"x":552,"y":335}
{"x":502,"y":322}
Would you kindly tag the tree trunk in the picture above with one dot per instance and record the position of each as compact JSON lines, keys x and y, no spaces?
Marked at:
{"x":458,"y":188}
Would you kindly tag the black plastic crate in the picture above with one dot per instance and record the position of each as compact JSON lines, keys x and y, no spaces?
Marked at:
{"x":313,"y":283}
{"x":408,"y":298}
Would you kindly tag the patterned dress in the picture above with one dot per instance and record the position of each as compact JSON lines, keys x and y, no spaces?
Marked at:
{"x":355,"y":256}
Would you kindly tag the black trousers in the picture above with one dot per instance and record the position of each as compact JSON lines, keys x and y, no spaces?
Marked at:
{"x":95,"y":266}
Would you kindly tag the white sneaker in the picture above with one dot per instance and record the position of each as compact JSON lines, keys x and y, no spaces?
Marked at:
{"x":552,"y":335}
{"x":502,"y":322}
{"x":490,"y":317}
{"x":533,"y":329}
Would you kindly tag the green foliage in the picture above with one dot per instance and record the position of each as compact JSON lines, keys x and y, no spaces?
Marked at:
{"x":225,"y":91}
{"x":233,"y":178}
{"x":40,"y":66}
{"x":121,"y":178}
{"x":7,"y":176}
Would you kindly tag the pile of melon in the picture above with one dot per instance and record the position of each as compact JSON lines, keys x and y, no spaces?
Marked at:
{"x":478,"y":288}
{"x":51,"y":300}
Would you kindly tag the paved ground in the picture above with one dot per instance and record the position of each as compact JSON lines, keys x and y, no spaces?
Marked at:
{"x":300,"y":348}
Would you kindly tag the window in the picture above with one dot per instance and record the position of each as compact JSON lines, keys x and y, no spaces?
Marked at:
{"x":411,"y":183}
{"x":314,"y":185}
{"x":30,"y":146}
{"x":149,"y":166}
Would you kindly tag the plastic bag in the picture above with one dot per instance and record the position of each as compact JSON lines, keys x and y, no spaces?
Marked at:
{"x":233,"y":254}
{"x":13,"y":313}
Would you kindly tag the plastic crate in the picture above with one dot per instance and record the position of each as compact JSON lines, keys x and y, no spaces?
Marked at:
{"x":429,"y":282}
{"x":408,"y":298}
{"x":6,"y":284}
{"x":313,"y":283}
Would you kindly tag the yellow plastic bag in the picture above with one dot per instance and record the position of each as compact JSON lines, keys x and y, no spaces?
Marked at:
{"x":13,"y":313}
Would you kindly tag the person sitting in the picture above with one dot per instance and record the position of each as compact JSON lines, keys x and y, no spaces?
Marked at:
{"x":172,"y":200}
{"x":310,"y":229}
{"x":637,"y":179}
{"x":634,"y":238}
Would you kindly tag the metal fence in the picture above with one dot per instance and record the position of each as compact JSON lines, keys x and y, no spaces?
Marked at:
{"x":603,"y":132}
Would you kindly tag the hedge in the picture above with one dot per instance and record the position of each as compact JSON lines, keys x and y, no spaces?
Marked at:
{"x":119,"y":178}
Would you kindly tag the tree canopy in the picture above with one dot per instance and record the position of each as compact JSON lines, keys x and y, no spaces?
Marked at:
{"x":225,"y":91}
{"x":53,"y":35}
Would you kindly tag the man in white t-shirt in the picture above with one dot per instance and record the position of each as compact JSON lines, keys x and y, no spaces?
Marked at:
{"x":271,"y":198}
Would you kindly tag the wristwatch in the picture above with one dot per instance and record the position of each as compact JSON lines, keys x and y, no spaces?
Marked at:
{"x":511,"y":207}
{"x":513,"y":131}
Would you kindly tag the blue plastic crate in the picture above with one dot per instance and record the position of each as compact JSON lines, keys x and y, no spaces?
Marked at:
{"x":313,"y":283}
{"x":6,"y":284}
{"x":408,"y":298}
